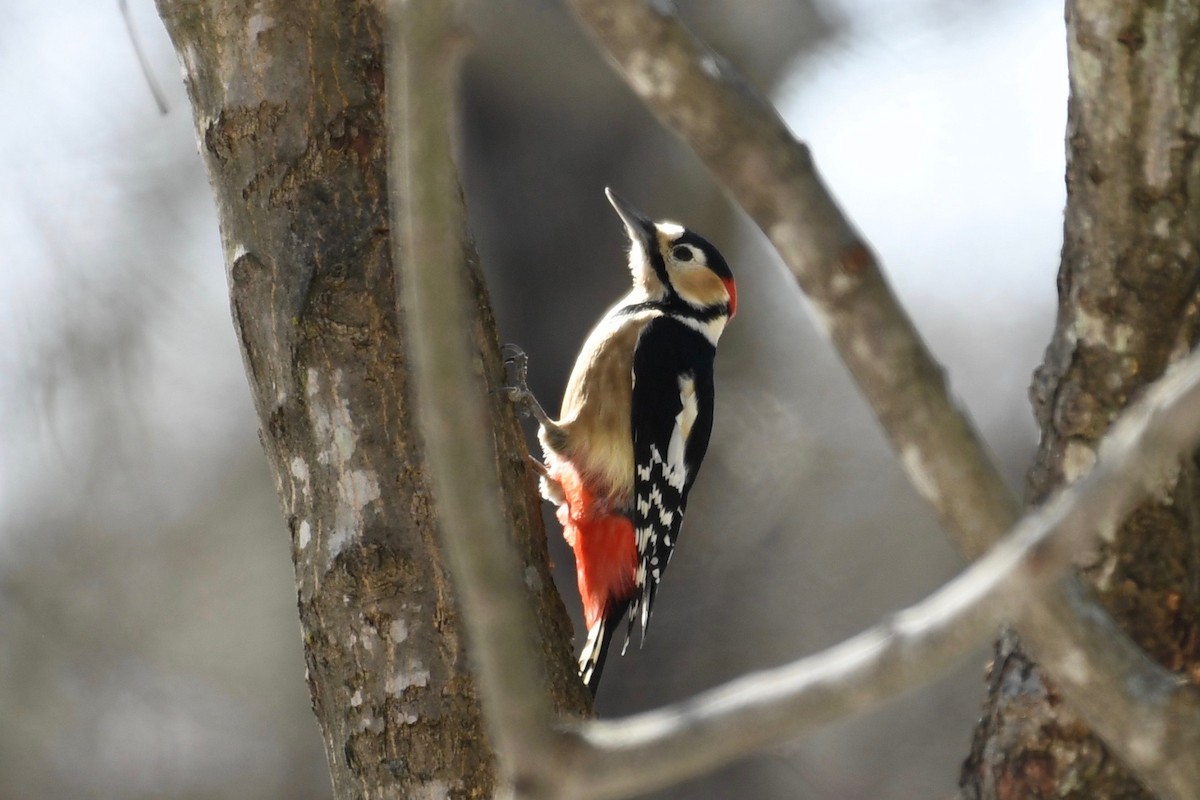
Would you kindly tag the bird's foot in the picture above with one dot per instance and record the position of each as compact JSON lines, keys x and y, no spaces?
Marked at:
{"x":516,"y":377}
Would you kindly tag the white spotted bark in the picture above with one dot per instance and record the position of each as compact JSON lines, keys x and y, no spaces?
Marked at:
{"x":288,"y":101}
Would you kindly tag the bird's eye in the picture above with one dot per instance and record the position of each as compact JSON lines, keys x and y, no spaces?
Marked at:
{"x":682,"y":253}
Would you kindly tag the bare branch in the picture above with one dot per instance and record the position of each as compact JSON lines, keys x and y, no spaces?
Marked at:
{"x":428,"y":236}
{"x":663,"y":746}
{"x":742,"y":140}
{"x":613,"y":758}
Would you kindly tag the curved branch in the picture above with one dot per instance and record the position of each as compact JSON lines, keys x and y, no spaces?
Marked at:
{"x":428,"y":236}
{"x":763,"y":163}
{"x":749,"y":149}
{"x":663,"y":746}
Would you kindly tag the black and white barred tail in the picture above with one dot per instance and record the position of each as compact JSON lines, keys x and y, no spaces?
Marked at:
{"x":595,"y":649}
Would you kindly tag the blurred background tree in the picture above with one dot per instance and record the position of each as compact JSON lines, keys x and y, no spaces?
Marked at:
{"x":148,"y":644}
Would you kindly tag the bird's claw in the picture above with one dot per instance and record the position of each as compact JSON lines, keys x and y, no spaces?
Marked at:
{"x":517,"y":390}
{"x":516,"y":387}
{"x":516,"y":358}
{"x":538,"y":467}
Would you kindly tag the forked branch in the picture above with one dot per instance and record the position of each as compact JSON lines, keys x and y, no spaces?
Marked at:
{"x":908,"y":648}
{"x":751,"y":152}
{"x":765,"y":167}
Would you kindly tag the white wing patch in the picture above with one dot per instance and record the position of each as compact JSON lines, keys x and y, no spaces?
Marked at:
{"x":676,"y":466}
{"x":659,"y":502}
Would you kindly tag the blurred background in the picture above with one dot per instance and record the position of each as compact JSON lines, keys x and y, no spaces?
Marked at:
{"x":149,"y":645}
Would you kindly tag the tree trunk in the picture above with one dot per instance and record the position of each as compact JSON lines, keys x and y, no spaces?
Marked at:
{"x":1127,"y":308}
{"x":289,"y":108}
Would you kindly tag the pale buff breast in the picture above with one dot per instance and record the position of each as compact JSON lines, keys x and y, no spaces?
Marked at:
{"x":601,"y":417}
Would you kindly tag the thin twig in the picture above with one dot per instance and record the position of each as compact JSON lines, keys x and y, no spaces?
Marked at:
{"x":160,"y":99}
{"x":742,"y":140}
{"x":654,"y":749}
{"x":429,"y":253}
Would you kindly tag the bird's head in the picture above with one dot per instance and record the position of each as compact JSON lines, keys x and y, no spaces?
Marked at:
{"x":673,"y":264}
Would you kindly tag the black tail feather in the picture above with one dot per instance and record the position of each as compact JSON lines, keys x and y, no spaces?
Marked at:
{"x":595,"y":649}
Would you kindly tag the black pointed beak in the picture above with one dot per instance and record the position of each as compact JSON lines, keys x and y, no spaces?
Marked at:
{"x":639,"y":227}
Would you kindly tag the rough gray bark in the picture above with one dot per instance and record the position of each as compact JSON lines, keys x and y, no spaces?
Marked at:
{"x":1127,"y":308}
{"x":289,"y":109}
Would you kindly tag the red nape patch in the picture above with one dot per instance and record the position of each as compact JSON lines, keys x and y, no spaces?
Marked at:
{"x":605,"y":550}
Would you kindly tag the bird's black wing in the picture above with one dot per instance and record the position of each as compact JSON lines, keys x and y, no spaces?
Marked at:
{"x":672,"y":414}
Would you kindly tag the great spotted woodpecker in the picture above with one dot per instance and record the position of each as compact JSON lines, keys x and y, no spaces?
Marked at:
{"x":634,"y":426}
